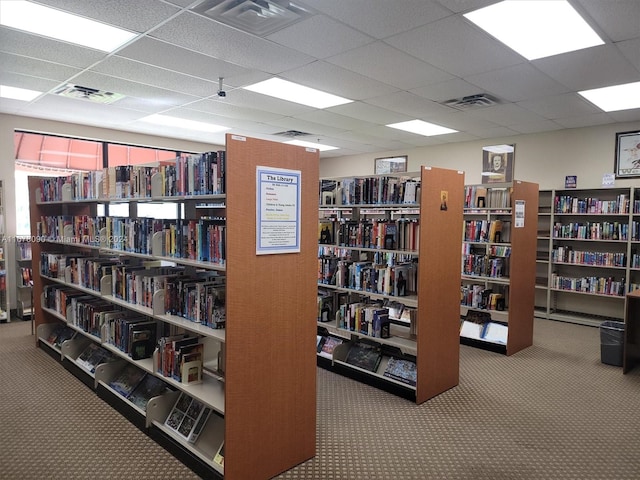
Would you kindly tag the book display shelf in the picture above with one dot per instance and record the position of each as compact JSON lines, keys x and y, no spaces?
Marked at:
{"x":186,"y":327}
{"x":499,"y":266}
{"x":24,"y":280}
{"x":588,"y":253}
{"x":388,"y":257}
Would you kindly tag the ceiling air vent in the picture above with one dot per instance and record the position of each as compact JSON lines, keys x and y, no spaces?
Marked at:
{"x":472,"y":101}
{"x":293,"y":133}
{"x":86,"y":93}
{"x":259,"y":17}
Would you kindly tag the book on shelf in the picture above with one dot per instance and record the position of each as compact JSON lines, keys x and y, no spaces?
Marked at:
{"x":61,"y":335}
{"x":402,"y":370}
{"x":150,"y":386}
{"x":488,"y":331}
{"x":187,"y":417}
{"x":365,"y":356}
{"x":142,"y":339}
{"x":218,"y":458}
{"x":326,"y":231}
{"x":328,"y":345}
{"x":128,"y":379}
{"x":94,"y":355}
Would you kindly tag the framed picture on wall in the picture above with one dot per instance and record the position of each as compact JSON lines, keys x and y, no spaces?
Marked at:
{"x":391,"y":164}
{"x":497,"y":163}
{"x":627,"y":154}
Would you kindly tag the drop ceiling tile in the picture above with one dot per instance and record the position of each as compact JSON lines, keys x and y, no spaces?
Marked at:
{"x":225,"y":43}
{"x":447,"y":90}
{"x":619,"y":20}
{"x":506,"y":115}
{"x":517,"y":83}
{"x":332,"y":119}
{"x":161,"y":96}
{"x":266,"y":103}
{"x":631,"y":51}
{"x":342,"y":82}
{"x":315,"y":129}
{"x":410,"y":104}
{"x":34,"y":46}
{"x":560,"y":106}
{"x":631,"y":115}
{"x":460,"y":120}
{"x":377,"y":19}
{"x":594,"y":67}
{"x":585,"y":121}
{"x":200,"y":116}
{"x":492,"y":132}
{"x":389,"y":65}
{"x":456,"y":46}
{"x":35,"y":68}
{"x":133,"y":71}
{"x":536,"y":127}
{"x":180,"y":3}
{"x":369,"y":113}
{"x":464,"y":6}
{"x":138,"y":16}
{"x":320,"y":37}
{"x":24,"y":81}
{"x":226,"y":109}
{"x":171,"y":57}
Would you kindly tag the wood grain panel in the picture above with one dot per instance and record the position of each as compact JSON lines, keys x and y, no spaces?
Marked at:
{"x":439,"y":282}
{"x":270,"y":398}
{"x":522,"y":276}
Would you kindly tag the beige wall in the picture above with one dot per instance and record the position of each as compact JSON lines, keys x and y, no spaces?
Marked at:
{"x":543,"y":158}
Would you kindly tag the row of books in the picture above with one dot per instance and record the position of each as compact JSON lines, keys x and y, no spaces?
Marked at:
{"x":198,"y":297}
{"x":604,"y":259}
{"x":479,"y":197}
{"x":59,"y":334}
{"x":189,"y":174}
{"x":484,"y":265}
{"x":370,"y":191}
{"x":402,"y":234}
{"x":180,"y":357}
{"x":596,"y":230}
{"x":571,"y":204}
{"x":592,"y":284}
{"x":396,"y":280}
{"x":368,"y":356}
{"x":24,"y":247}
{"x":94,"y":355}
{"x":26,"y":277}
{"x":481,"y":297}
{"x":494,"y":231}
{"x":364,"y":318}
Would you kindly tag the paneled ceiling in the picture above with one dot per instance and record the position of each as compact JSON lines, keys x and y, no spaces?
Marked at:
{"x":398,"y":59}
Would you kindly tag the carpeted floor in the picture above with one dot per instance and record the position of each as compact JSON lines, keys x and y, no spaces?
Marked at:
{"x":552,"y":411}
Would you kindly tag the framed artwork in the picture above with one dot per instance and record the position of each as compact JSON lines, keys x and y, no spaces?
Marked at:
{"x":497,"y":163}
{"x":627,"y":163}
{"x":391,"y":164}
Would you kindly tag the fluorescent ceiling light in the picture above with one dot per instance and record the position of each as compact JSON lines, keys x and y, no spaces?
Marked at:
{"x":421,"y":128}
{"x":183,"y":123}
{"x":60,"y":25}
{"x":16,"y":93}
{"x":536,"y":29}
{"x":284,"y":90}
{"x":617,"y":97}
{"x":317,"y":146}
{"x":499,"y":148}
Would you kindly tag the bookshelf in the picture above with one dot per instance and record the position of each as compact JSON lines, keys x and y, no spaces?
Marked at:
{"x":4,"y":301}
{"x":261,"y":389}
{"x":588,"y":253}
{"x":376,"y":235}
{"x":499,"y":264}
{"x":24,"y":280}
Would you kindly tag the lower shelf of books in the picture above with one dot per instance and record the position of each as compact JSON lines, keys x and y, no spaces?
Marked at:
{"x":381,"y":365}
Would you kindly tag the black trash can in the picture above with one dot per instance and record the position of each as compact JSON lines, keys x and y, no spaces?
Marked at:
{"x":612,"y":343}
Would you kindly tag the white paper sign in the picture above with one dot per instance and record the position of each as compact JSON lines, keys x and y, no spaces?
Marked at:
{"x":519,"y":214}
{"x":277,"y":210}
{"x":608,"y":179}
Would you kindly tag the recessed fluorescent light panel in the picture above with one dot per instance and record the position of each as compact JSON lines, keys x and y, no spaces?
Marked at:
{"x":536,"y":29}
{"x":16,"y":93}
{"x":50,"y":22}
{"x":317,"y":146}
{"x":617,"y":97}
{"x":285,"y":90}
{"x":422,"y":128}
{"x":169,"y":121}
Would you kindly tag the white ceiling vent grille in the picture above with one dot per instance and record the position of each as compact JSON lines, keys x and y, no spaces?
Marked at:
{"x":472,"y":101}
{"x":86,"y":93}
{"x":259,"y":17}
{"x":292,"y":133}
